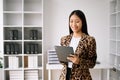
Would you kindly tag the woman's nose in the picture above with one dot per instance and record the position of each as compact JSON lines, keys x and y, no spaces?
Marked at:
{"x":74,"y":23}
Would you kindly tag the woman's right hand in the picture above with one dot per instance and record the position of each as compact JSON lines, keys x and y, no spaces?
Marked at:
{"x":73,"y":58}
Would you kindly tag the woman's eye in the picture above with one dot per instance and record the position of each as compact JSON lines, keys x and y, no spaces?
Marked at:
{"x":77,"y":21}
{"x":71,"y":21}
{"x":74,"y":21}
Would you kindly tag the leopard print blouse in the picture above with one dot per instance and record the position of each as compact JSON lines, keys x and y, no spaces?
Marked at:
{"x":86,"y":50}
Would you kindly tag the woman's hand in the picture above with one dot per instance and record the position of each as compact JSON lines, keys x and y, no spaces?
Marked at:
{"x":73,"y":58}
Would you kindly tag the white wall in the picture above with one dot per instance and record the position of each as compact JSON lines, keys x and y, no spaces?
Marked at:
{"x":1,"y":36}
{"x":56,"y":14}
{"x":1,"y":27}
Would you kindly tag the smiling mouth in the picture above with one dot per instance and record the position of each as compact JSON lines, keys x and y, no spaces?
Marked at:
{"x":74,"y":28}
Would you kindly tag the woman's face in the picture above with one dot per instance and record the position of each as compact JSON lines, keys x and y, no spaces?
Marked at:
{"x":75,"y":23}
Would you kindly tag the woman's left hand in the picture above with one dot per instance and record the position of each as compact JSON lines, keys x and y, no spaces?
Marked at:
{"x":73,"y":58}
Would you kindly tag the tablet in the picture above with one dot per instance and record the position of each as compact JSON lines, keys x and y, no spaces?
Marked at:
{"x":63,"y":52}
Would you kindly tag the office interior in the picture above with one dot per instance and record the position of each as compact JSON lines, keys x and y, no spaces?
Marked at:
{"x":103,"y":19}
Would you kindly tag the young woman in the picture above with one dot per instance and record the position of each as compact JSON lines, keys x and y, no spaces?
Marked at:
{"x":84,"y":47}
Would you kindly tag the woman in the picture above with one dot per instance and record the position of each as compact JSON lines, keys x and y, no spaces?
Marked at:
{"x":84,"y":49}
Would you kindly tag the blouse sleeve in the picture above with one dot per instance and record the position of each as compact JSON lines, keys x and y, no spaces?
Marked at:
{"x":62,"y":41}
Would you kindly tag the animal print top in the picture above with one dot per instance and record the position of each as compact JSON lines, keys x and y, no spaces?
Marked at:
{"x":86,"y":50}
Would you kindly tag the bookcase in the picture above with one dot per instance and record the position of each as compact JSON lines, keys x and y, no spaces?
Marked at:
{"x":23,"y":40}
{"x":115,"y":39}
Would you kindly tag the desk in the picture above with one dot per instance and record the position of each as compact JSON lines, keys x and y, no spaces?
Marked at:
{"x":100,"y":67}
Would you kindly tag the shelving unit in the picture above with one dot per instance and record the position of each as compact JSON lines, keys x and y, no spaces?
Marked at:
{"x":115,"y":38}
{"x":23,"y":40}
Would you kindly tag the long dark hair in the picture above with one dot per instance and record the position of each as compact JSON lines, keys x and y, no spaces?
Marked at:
{"x":81,"y":15}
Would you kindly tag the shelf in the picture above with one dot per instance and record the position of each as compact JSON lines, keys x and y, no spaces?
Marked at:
{"x":31,"y":12}
{"x":13,"y":69}
{"x":33,"y":40}
{"x":13,"y":60}
{"x":118,"y":47}
{"x":115,"y":39}
{"x":33,"y":5}
{"x":32,"y":19}
{"x":113,"y":33}
{"x":13,"y":74}
{"x":112,"y":59}
{"x":118,"y":62}
{"x":12,"y":48}
{"x":114,"y":54}
{"x":112,"y":46}
{"x":12,"y":5}
{"x":12,"y":19}
{"x":12,"y":12}
{"x":32,"y":47}
{"x":22,"y":39}
{"x":33,"y":25}
{"x":32,"y":33}
{"x":13,"y":40}
{"x":12,"y":25}
{"x":39,"y":54}
{"x":38,"y":68}
{"x":33,"y":75}
{"x":118,"y":33}
{"x":13,"y":55}
{"x":118,"y":5}
{"x":118,"y":19}
{"x":32,"y":62}
{"x":113,"y":20}
{"x":113,"y":6}
{"x":13,"y":33}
